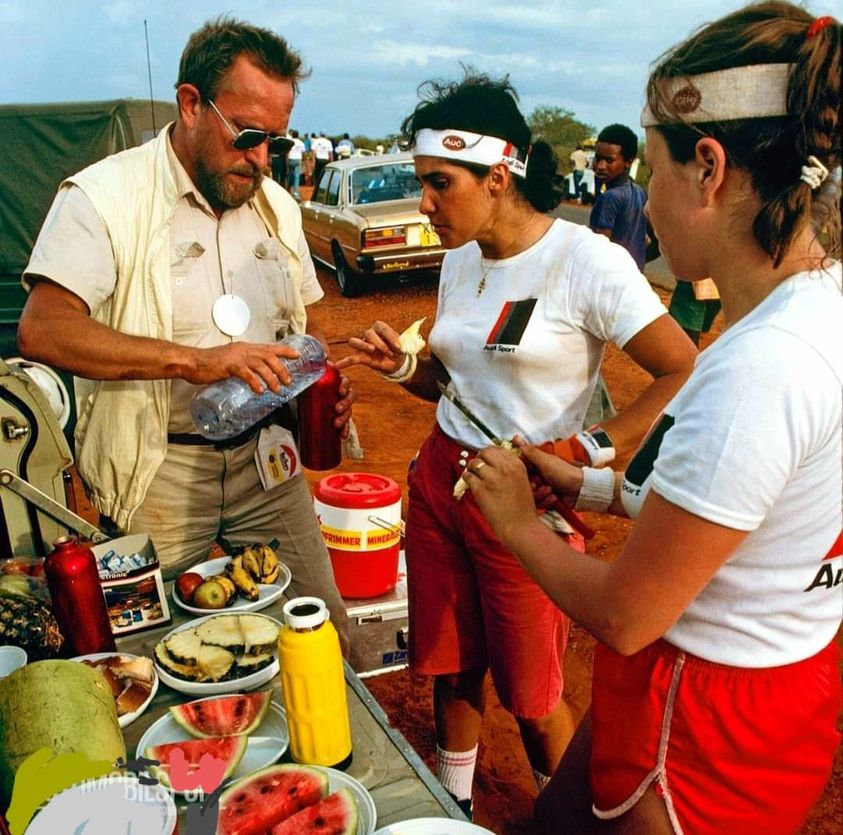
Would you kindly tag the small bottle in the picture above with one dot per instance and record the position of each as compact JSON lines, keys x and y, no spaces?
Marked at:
{"x":229,"y":407}
{"x":320,"y":443}
{"x":313,"y":684}
{"x":77,"y":597}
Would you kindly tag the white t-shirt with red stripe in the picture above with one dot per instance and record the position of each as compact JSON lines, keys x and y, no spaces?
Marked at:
{"x":753,"y":442}
{"x":525,"y":353}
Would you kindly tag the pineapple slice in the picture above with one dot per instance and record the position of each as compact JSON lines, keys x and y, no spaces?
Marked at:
{"x":215,"y":662}
{"x":248,"y":664}
{"x":188,"y":672}
{"x":222,"y":631}
{"x":184,"y":646}
{"x":261,"y":634}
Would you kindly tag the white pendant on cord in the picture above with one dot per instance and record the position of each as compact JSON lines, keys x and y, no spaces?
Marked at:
{"x":231,"y":314}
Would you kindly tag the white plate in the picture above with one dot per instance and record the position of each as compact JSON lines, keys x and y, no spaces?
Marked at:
{"x":216,"y":688}
{"x":127,"y":718}
{"x":266,"y":743}
{"x":433,"y":826}
{"x":366,"y":805}
{"x":269,"y":593}
{"x":107,"y":805}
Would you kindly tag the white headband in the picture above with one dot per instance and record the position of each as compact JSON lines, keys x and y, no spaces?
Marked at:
{"x":464,"y":146}
{"x":752,"y":92}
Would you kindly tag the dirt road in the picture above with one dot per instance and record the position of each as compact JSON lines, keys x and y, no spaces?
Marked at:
{"x":392,"y":424}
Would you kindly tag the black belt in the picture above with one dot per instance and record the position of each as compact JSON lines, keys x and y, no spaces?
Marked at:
{"x":188,"y":439}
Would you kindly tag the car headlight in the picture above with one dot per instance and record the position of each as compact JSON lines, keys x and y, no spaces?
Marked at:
{"x":388,"y":236}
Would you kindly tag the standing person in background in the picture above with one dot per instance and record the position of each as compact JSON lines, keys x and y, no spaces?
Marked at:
{"x":716,"y":686}
{"x":294,"y":165}
{"x":526,"y":306}
{"x":173,"y":265}
{"x":345,"y":147}
{"x":618,"y":211}
{"x":695,"y":306}
{"x":308,"y":160}
{"x":579,"y":159}
{"x":323,"y":152}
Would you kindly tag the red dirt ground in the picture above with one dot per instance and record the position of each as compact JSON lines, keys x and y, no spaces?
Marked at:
{"x":392,"y":424}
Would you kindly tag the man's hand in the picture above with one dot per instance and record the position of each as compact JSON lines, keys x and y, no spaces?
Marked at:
{"x":343,"y":407}
{"x":258,"y":365}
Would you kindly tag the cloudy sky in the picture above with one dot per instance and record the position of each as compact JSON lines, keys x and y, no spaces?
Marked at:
{"x":367,"y":56}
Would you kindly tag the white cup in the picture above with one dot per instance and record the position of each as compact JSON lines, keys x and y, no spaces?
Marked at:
{"x":11,"y":659}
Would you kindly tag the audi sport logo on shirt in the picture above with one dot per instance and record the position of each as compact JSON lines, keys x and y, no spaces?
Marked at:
{"x":827,"y":577}
{"x":509,"y":327}
{"x":453,"y":143}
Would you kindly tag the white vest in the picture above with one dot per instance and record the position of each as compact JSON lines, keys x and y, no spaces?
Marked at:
{"x":121,"y":432}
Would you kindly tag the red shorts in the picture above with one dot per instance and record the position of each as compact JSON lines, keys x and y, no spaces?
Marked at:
{"x":732,"y":751}
{"x":471,"y":604}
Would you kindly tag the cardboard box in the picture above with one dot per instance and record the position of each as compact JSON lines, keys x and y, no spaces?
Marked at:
{"x":135,"y":598}
{"x":378,"y":629}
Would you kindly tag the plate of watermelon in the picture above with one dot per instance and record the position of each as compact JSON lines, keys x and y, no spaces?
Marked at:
{"x":292,"y":799}
{"x":245,"y":732}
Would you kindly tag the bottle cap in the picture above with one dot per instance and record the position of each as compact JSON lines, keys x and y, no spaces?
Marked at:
{"x":305,"y":612}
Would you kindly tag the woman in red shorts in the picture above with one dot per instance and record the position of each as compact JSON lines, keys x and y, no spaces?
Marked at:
{"x":716,"y":683}
{"x":526,"y":305}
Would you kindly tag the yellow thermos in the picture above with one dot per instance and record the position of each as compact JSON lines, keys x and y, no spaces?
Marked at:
{"x":313,"y":684}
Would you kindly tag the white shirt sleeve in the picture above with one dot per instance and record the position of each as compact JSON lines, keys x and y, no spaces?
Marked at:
{"x":737,"y":407}
{"x":610,"y":297}
{"x":311,"y":290}
{"x":73,"y":249}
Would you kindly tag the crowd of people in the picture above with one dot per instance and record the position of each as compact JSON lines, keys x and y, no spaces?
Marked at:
{"x":716,"y":685}
{"x":308,"y":154}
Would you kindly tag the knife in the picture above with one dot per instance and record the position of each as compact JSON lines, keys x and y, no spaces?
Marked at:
{"x":563,"y":510}
{"x":446,"y":392}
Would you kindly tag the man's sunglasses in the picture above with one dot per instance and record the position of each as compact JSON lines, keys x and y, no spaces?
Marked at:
{"x":252,"y":137}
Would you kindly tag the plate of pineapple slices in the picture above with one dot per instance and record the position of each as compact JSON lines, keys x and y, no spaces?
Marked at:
{"x":221,"y":653}
{"x":250,"y":579}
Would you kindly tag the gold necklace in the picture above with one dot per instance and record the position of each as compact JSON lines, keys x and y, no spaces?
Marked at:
{"x":481,"y":285}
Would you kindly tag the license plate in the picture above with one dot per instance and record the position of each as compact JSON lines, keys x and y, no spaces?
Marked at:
{"x":427,"y":237}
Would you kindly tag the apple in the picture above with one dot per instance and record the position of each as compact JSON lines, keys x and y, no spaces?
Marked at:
{"x":209,"y":595}
{"x":187,"y":584}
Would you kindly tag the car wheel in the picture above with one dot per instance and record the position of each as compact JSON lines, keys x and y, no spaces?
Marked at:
{"x":351,"y":283}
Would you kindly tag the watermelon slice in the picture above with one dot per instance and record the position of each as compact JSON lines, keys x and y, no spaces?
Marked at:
{"x":337,"y":814}
{"x":197,"y":763}
{"x":236,"y":715}
{"x":253,"y":805}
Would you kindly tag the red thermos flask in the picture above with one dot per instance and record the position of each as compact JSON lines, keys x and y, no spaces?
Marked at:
{"x":320,"y":444}
{"x":77,"y":597}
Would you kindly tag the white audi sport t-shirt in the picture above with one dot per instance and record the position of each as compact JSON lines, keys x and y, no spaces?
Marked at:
{"x":524,"y":354}
{"x":753,"y":442}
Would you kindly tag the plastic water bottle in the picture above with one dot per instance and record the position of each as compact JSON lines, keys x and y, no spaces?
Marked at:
{"x":313,"y":684}
{"x":229,"y":407}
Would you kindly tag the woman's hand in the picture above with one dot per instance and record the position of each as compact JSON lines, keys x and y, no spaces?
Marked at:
{"x":343,"y":405}
{"x":498,"y":481}
{"x":563,"y":478}
{"x":379,"y":348}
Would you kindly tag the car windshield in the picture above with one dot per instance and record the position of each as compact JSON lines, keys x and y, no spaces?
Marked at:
{"x":389,"y":181}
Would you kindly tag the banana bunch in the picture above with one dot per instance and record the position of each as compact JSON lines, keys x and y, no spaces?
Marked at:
{"x":242,"y":579}
{"x":259,"y":561}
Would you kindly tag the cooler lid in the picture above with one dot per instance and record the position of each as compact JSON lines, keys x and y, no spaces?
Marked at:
{"x":357,"y":490}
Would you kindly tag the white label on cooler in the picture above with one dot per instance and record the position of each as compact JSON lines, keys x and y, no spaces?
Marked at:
{"x":359,"y":529}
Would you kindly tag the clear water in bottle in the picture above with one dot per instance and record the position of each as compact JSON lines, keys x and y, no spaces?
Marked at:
{"x":229,"y":407}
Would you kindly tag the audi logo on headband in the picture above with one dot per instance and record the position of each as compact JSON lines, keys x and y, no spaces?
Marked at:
{"x":687,"y":100}
{"x":453,"y":143}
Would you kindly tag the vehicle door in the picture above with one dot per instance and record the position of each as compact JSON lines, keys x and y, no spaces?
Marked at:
{"x":318,"y":214}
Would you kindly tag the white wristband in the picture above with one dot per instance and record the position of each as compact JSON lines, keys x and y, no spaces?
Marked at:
{"x":404,"y":372}
{"x":597,"y":491}
{"x":597,"y":445}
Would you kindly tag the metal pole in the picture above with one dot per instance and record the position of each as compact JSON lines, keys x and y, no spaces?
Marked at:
{"x":149,"y":74}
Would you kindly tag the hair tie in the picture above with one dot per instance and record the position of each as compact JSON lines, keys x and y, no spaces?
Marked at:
{"x":818,"y":25}
{"x":814,"y":173}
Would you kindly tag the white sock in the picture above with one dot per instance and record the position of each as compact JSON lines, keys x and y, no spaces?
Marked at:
{"x":455,"y":771}
{"x":541,"y":779}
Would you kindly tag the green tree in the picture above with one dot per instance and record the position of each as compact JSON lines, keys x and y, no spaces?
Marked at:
{"x":560,"y":129}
